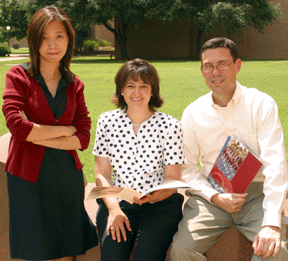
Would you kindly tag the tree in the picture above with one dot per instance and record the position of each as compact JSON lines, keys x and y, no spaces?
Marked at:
{"x":229,"y":14}
{"x":207,"y":14}
{"x":17,"y":14}
{"x":127,"y":14}
{"x":11,"y":15}
{"x":80,"y":13}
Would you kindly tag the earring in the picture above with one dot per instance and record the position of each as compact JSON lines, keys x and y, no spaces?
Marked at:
{"x":122,"y":94}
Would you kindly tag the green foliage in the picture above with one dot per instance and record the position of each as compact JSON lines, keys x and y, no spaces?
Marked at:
{"x":228,"y":14}
{"x":236,"y":14}
{"x":17,"y":14}
{"x":16,"y":46}
{"x":126,"y":15}
{"x":208,"y":14}
{"x":11,"y":14}
{"x":103,"y":42}
{"x":4,"y":50}
{"x":81,"y":14}
{"x":91,"y":45}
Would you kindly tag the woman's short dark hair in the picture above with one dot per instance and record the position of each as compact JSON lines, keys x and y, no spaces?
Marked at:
{"x":137,"y":69}
{"x":220,"y":42}
{"x":36,"y":28}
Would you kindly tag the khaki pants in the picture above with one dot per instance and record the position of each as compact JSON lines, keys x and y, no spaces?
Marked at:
{"x":203,"y":224}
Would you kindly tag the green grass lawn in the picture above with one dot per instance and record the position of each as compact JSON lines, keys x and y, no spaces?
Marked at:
{"x":24,"y":50}
{"x":181,"y":83}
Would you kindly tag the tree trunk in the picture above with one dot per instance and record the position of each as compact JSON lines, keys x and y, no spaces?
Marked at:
{"x":123,"y":48}
{"x":199,"y":38}
{"x":120,"y":34}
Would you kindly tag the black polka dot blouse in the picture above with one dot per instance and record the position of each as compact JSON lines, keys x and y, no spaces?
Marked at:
{"x":138,"y":160}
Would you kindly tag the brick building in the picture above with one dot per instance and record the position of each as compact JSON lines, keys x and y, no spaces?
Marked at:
{"x":100,"y":32}
{"x":155,"y":39}
{"x":97,"y":31}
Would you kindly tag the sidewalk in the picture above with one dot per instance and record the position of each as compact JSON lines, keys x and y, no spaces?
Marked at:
{"x":14,"y":57}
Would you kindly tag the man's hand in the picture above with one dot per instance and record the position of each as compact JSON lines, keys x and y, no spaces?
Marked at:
{"x":267,"y":242}
{"x":115,"y":225}
{"x":231,"y":203}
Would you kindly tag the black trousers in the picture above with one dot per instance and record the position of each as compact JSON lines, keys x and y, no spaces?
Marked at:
{"x":153,"y":227}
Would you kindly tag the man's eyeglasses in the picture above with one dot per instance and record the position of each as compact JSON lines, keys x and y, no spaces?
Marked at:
{"x":208,"y":68}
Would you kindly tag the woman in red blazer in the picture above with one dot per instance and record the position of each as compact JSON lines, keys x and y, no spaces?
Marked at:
{"x":47,"y":116}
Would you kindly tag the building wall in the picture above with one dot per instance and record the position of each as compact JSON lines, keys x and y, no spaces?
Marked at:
{"x":100,"y":31}
{"x":273,"y":44}
{"x":252,"y":45}
{"x":22,"y":43}
{"x":177,"y":40}
{"x":160,"y":40}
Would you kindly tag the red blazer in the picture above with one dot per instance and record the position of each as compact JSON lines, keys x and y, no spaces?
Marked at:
{"x":22,"y":92}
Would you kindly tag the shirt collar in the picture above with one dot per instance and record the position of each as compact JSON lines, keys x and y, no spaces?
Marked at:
{"x":62,"y":82}
{"x":237,"y":94}
{"x":235,"y":98}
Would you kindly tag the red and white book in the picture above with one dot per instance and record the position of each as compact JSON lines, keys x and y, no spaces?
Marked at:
{"x":234,"y":169}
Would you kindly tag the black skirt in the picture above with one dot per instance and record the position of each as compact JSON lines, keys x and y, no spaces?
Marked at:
{"x":48,"y":219}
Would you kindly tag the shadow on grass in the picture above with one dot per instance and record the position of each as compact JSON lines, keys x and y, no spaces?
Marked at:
{"x":89,"y":60}
{"x":95,"y":60}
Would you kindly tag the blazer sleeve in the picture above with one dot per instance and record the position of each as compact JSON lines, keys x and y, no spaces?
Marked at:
{"x":82,"y":121}
{"x":15,"y":96}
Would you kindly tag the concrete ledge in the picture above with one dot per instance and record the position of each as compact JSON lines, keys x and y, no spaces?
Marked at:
{"x":4,"y":221}
{"x":232,"y":246}
{"x":4,"y":145}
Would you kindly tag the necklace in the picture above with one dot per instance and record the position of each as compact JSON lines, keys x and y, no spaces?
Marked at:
{"x":137,"y":125}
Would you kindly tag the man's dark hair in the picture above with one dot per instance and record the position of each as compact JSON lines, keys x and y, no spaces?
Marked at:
{"x":220,"y":42}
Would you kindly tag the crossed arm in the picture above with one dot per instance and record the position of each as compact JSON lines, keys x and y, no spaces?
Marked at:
{"x":57,"y":137}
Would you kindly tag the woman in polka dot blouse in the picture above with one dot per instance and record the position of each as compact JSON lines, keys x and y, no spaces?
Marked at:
{"x":141,"y":147}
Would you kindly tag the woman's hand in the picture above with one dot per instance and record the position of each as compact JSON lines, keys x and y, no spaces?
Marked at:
{"x":172,"y":172}
{"x":23,"y":115}
{"x":70,"y":130}
{"x":155,"y":196}
{"x":58,"y":137}
{"x":115,"y":225}
{"x":117,"y":220}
